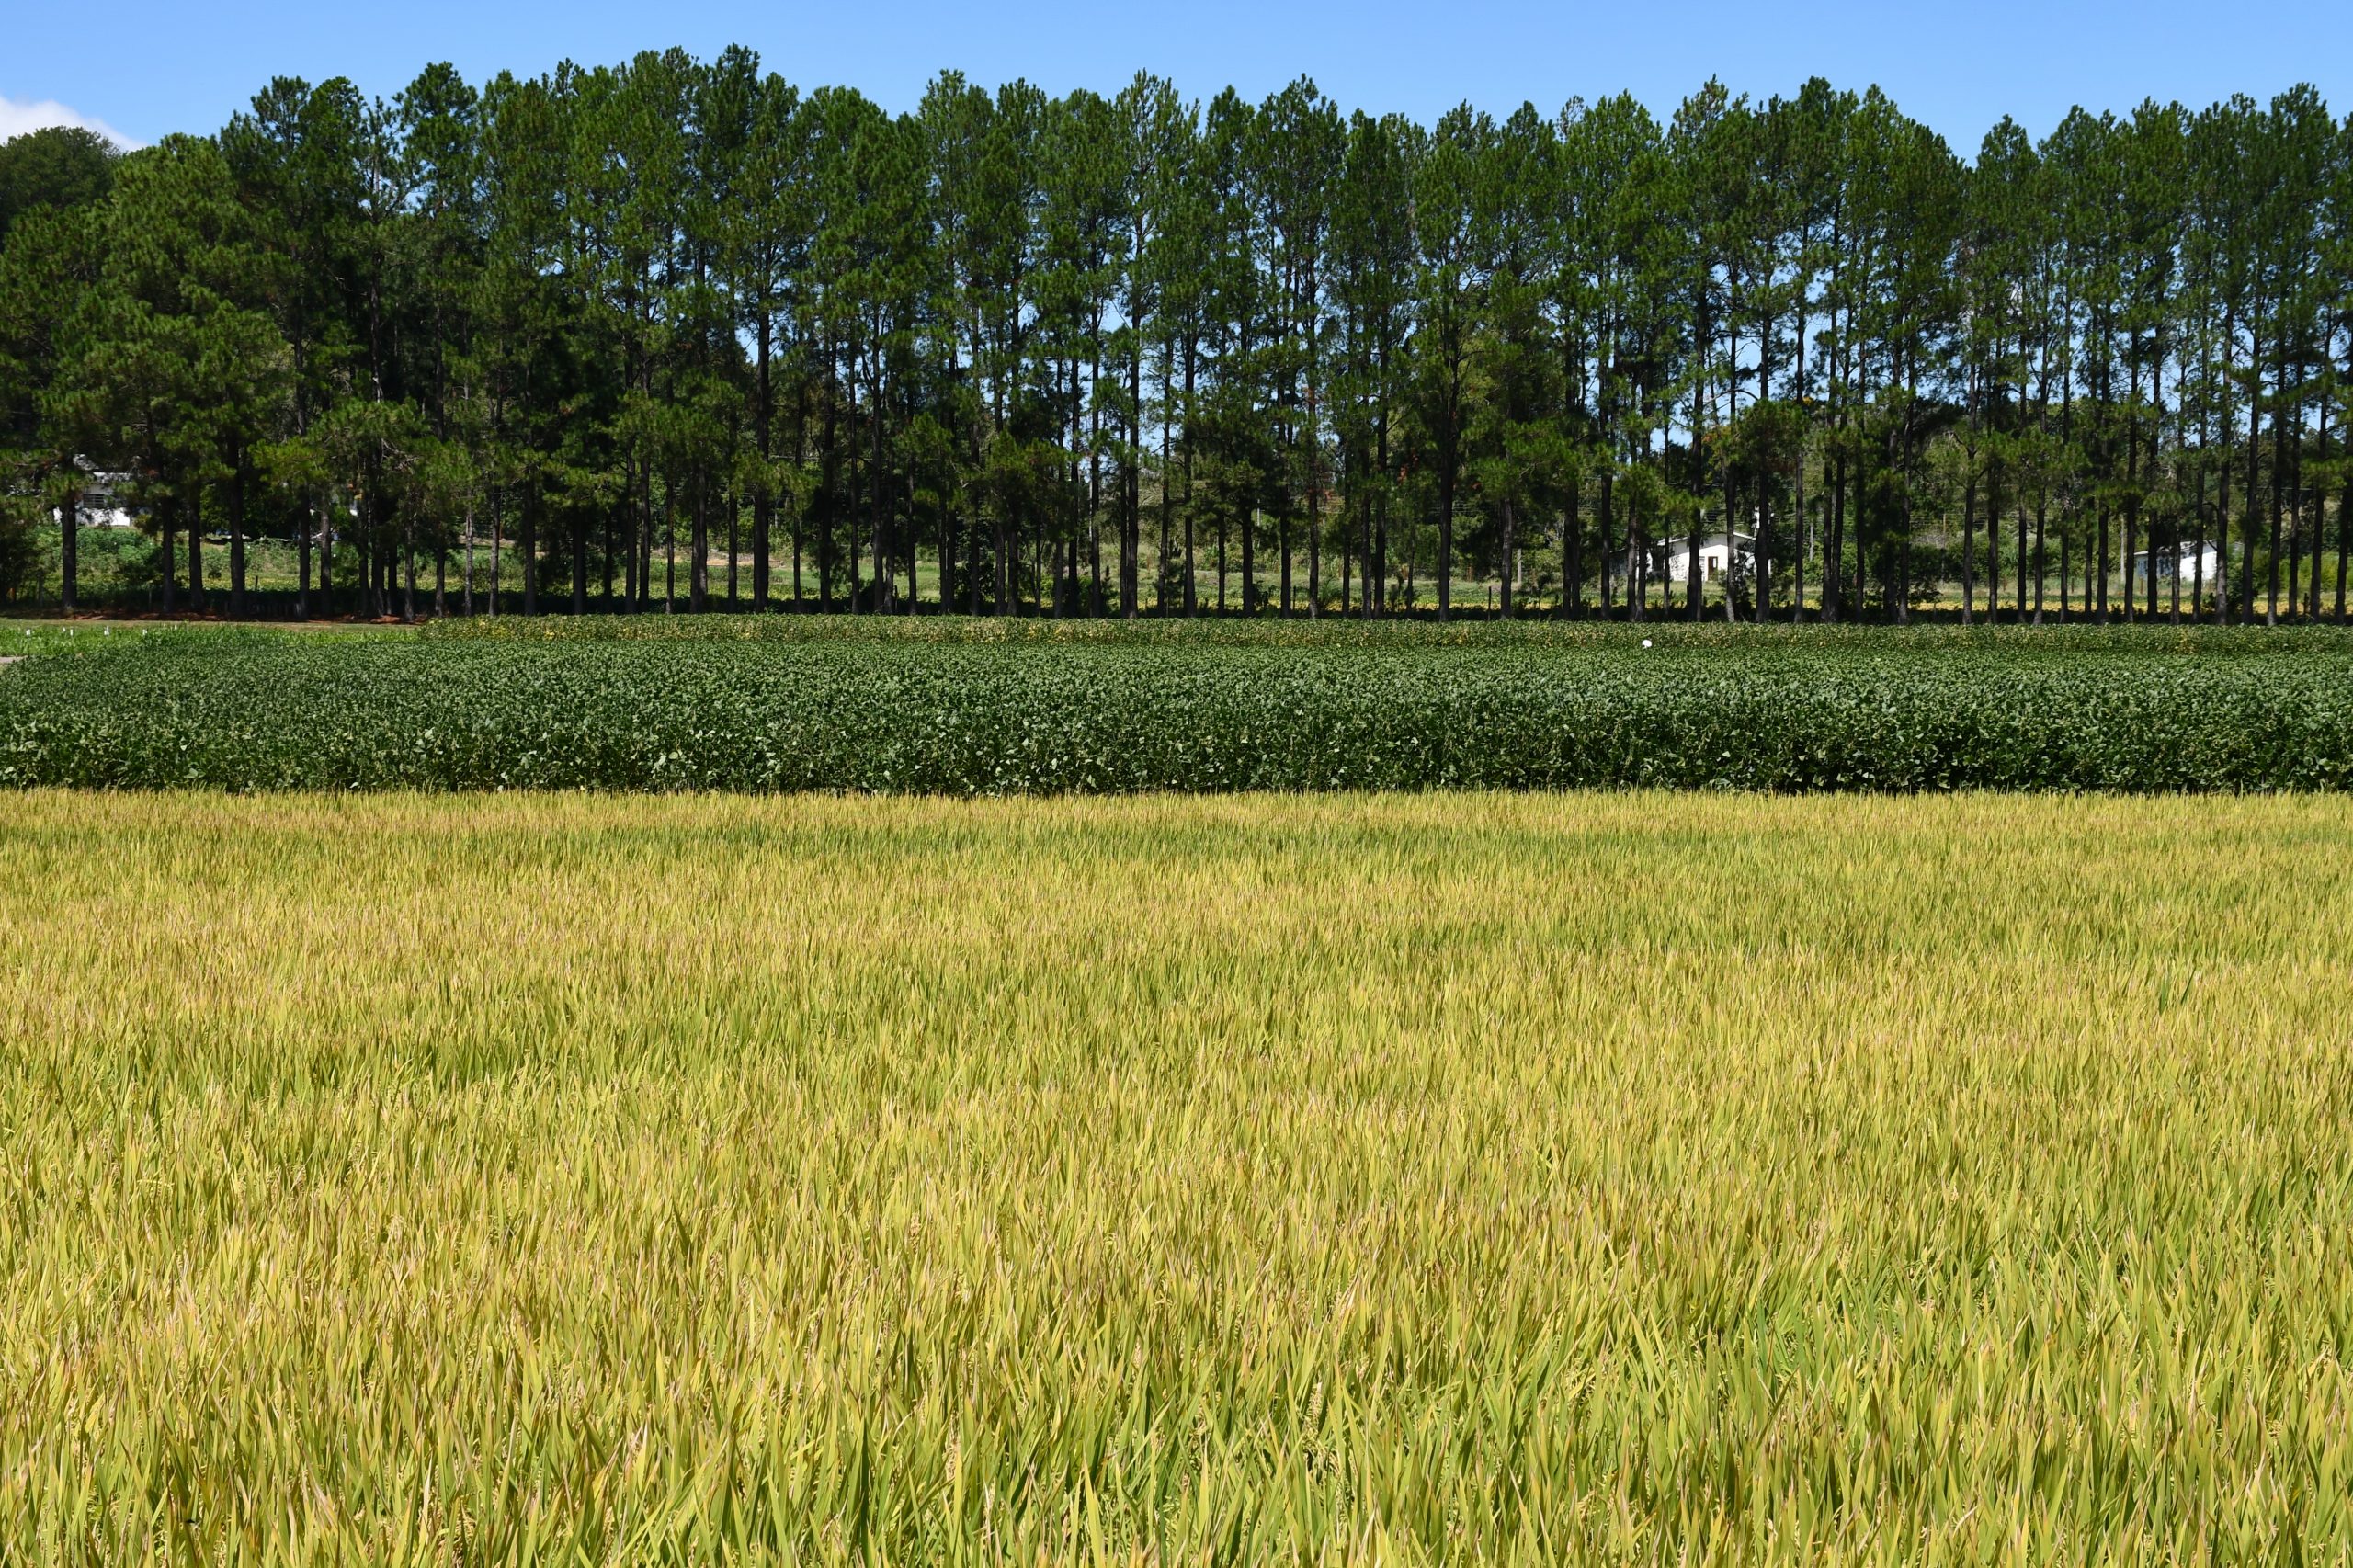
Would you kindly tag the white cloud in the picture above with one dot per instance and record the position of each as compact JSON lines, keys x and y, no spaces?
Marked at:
{"x":18,"y":116}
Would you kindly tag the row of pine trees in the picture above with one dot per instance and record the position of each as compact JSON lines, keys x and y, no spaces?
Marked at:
{"x":678,"y":334}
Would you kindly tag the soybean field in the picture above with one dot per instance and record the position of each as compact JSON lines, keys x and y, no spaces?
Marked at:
{"x":973,"y":707}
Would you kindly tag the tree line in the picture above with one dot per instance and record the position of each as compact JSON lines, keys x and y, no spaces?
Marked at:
{"x":676,"y":335}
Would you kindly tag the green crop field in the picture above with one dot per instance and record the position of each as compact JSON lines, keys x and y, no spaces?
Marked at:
{"x":430,"y":1178}
{"x":956,"y":707}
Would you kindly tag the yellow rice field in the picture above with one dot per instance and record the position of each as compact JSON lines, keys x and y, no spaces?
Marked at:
{"x":600,"y":1179}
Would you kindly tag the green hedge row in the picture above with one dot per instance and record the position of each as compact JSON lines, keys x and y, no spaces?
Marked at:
{"x":380,"y":713}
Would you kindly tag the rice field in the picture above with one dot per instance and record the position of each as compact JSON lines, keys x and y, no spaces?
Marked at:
{"x":537,"y":1178}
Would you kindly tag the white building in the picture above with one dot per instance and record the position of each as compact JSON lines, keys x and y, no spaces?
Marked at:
{"x":2192,"y":562}
{"x":102,"y":503}
{"x":1718,"y":556}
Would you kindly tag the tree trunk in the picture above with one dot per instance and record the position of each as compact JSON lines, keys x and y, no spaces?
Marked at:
{"x":829,"y":479}
{"x":1572,"y":552}
{"x":1444,"y":538}
{"x":1347,"y":555}
{"x":2344,"y":530}
{"x":1314,"y":476}
{"x":497,"y":529}
{"x":2096,"y":569}
{"x":2251,"y":522}
{"x":1696,"y":536}
{"x":2279,"y":479}
{"x":1002,"y":536}
{"x":69,"y":551}
{"x":2132,"y":480}
{"x":1993,"y":539}
{"x":2318,"y":501}
{"x":196,"y":547}
{"x":1249,"y":563}
{"x":2042,"y":553}
{"x":620,"y":537}
{"x":1190,"y":588}
{"x":1903,"y":565}
{"x":1969,"y":544}
{"x":302,"y":569}
{"x":1282,"y":549}
{"x":645,"y":539}
{"x":2199,"y":512}
{"x":237,"y":533}
{"x":580,"y":565}
{"x":698,"y":569}
{"x":1096,"y":605}
{"x":877,"y":495}
{"x":2018,"y":619}
{"x":2344,"y":542}
{"x":2295,"y":544}
{"x":529,"y":543}
{"x":1797,"y":557}
{"x":1220,"y":560}
{"x":1834,"y":538}
{"x":1167,"y":472}
{"x":169,"y":552}
{"x":763,"y":497}
{"x":1504,"y":572}
{"x":1609,"y":523}
{"x":948,"y":532}
{"x":1131,"y":524}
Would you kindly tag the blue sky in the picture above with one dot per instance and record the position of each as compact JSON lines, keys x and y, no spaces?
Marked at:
{"x":143,"y":68}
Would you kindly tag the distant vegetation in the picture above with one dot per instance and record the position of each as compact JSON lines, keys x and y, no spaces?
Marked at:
{"x":676,"y":332}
